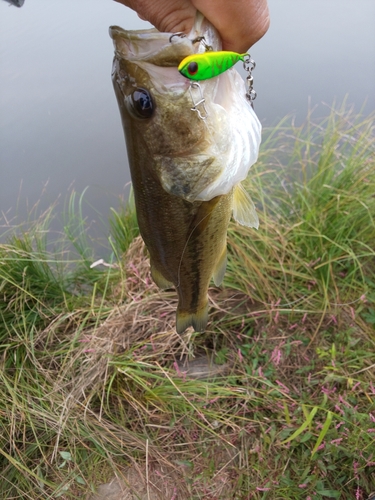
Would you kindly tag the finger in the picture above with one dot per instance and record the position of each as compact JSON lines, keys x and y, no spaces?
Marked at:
{"x":241,"y":23}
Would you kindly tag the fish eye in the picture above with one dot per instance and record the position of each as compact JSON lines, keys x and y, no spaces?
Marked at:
{"x":140,"y":103}
{"x":192,"y":68}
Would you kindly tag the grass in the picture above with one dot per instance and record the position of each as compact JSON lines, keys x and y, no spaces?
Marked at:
{"x":93,"y":381}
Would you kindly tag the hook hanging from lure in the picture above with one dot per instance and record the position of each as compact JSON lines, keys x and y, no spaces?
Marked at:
{"x":209,"y":64}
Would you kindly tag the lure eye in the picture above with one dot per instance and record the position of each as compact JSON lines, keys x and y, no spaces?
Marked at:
{"x":140,"y":103}
{"x":192,"y":68}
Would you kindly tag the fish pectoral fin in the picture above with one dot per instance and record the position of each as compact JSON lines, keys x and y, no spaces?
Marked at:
{"x":220,"y":268}
{"x":243,"y":208}
{"x":198,"y":320}
{"x":159,"y":279}
{"x":186,"y":176}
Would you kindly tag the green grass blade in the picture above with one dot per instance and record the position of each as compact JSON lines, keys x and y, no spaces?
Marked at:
{"x":304,"y":426}
{"x":323,"y":432}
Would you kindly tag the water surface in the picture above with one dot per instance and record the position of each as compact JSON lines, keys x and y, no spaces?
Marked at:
{"x":59,"y":123}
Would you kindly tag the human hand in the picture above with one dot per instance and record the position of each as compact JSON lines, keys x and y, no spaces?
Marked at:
{"x":241,"y":23}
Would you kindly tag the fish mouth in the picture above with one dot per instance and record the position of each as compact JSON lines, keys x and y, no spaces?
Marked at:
{"x":150,"y":45}
{"x":162,"y":49}
{"x":141,"y":37}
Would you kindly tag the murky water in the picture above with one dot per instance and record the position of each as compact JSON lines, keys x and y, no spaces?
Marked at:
{"x":59,"y":123}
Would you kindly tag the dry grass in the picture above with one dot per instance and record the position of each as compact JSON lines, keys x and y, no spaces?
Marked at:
{"x":275,"y":400}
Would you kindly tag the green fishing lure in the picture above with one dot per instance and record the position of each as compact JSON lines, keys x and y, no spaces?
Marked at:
{"x":209,"y":64}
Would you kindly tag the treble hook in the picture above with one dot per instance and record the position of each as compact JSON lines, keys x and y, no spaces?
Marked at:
{"x":201,"y":101}
{"x":202,"y":40}
{"x":181,"y":34}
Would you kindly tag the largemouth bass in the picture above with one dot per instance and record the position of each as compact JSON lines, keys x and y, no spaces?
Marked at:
{"x":189,"y":147}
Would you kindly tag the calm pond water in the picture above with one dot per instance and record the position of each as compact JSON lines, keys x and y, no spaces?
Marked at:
{"x":59,"y":123}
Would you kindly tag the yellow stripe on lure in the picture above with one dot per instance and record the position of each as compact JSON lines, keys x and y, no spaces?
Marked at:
{"x":209,"y":64}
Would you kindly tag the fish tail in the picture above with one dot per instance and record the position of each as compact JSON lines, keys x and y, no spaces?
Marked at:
{"x":198,"y":319}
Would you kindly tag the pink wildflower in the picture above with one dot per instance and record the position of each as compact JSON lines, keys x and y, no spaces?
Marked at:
{"x":282,"y":386}
{"x":355,"y":386}
{"x":311,"y":284}
{"x":134,"y":269}
{"x":342,"y":400}
{"x":355,"y":468}
{"x":276,"y":356}
{"x":313,"y":262}
{"x":326,"y":390}
{"x":358,"y":493}
{"x":337,"y":408}
{"x":177,"y":368}
{"x":305,"y":357}
{"x":336,"y":441}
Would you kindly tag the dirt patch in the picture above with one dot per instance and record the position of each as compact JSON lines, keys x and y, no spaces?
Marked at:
{"x":136,"y":487}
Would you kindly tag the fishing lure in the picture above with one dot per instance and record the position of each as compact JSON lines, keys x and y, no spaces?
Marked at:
{"x":209,"y":64}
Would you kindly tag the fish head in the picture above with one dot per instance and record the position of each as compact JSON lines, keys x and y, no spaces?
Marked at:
{"x":186,"y":150}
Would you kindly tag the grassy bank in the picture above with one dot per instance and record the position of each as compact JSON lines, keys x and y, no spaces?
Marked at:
{"x":93,"y":380}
